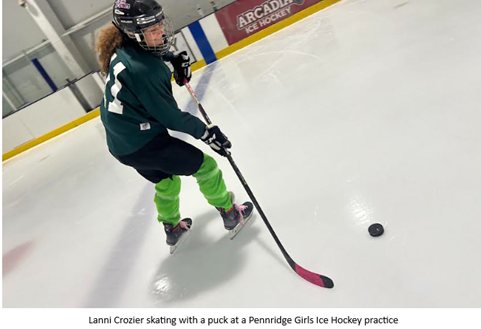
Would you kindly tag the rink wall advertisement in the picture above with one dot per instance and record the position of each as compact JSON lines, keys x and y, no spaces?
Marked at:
{"x":246,"y":17}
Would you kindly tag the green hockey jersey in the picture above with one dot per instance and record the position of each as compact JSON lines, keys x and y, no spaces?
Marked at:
{"x":138,"y":103}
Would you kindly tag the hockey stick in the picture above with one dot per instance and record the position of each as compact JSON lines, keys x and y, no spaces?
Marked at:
{"x":317,"y":279}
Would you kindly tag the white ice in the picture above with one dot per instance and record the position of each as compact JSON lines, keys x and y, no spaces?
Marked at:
{"x":366,"y":112}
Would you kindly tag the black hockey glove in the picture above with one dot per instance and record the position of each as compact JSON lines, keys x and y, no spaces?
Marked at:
{"x":216,"y":140}
{"x":181,"y":64}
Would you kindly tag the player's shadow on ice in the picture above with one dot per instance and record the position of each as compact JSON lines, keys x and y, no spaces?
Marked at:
{"x":201,"y":263}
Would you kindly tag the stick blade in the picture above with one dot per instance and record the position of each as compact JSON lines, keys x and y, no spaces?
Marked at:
{"x":314,"y":278}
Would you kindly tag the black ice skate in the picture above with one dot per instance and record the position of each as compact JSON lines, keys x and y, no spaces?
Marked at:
{"x":236,"y":217}
{"x":177,"y":234}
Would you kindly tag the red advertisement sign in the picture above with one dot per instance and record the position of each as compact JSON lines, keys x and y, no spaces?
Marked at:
{"x":246,"y":17}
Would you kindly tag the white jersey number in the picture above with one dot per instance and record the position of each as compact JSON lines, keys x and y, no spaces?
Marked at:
{"x":114,"y":106}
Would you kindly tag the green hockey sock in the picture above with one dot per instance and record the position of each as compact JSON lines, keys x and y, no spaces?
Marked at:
{"x":167,"y":200}
{"x":212,"y":185}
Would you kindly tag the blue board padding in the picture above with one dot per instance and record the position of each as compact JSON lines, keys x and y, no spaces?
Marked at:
{"x":201,"y":40}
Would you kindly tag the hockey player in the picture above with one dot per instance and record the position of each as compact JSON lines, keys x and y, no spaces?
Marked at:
{"x":138,"y":108}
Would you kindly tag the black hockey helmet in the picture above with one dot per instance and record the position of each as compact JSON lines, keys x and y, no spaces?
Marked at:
{"x":133,"y":17}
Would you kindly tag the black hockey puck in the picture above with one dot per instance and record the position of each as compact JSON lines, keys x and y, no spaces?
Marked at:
{"x":376,"y":230}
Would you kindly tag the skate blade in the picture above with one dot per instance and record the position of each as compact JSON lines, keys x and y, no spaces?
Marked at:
{"x":233,"y":233}
{"x":181,"y":239}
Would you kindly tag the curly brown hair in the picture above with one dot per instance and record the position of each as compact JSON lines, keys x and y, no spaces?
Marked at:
{"x":109,"y":40}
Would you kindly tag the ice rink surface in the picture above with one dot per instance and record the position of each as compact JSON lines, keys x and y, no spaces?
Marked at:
{"x":366,"y":112}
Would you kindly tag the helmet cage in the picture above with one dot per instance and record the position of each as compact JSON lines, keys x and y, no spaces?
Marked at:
{"x":167,"y":38}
